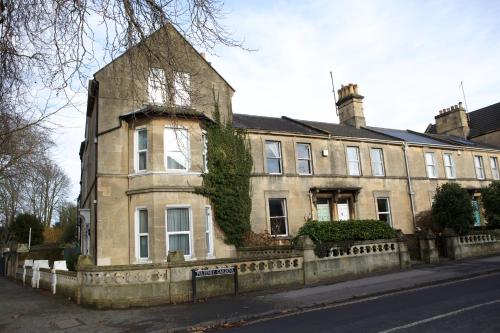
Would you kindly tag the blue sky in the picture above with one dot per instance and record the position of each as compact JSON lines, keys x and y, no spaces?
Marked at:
{"x":408,"y":58}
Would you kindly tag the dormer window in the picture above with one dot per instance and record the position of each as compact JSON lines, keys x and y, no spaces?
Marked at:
{"x":157,"y":86}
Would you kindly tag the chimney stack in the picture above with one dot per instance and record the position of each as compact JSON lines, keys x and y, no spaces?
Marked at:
{"x":350,"y":105}
{"x":453,"y":121}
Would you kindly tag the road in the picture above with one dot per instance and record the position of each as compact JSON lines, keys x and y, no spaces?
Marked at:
{"x":471,"y":305}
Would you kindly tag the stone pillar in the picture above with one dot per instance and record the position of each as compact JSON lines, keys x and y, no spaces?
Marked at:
{"x":428,"y":251}
{"x":404,"y":254}
{"x":306,"y":245}
{"x":453,"y":249}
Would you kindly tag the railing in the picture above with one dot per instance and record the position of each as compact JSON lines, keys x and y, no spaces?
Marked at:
{"x":361,"y":250}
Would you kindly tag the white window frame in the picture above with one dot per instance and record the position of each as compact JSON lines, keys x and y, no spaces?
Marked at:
{"x":479,"y":168}
{"x":308,"y":159}
{"x":189,"y":256}
{"x":452,"y":174}
{"x":137,"y":151}
{"x":357,"y":161}
{"x":382,"y":164}
{"x":167,"y":150}
{"x":157,"y":86}
{"x":204,"y":151}
{"x":280,"y":158}
{"x":285,"y":216}
{"x":182,"y":89}
{"x":495,"y":173}
{"x":388,"y":213}
{"x":209,"y":230}
{"x":138,"y":235}
{"x":431,"y":166}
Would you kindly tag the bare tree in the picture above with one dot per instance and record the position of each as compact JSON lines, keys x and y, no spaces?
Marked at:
{"x":46,"y":190}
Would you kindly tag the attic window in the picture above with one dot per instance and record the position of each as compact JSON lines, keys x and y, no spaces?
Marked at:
{"x":182,"y":87}
{"x":157,"y":86}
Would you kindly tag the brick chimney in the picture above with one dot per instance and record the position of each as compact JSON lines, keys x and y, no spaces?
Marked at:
{"x":453,"y":121}
{"x":350,"y":106}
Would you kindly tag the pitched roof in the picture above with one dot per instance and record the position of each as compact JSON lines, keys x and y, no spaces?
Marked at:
{"x":484,"y":120}
{"x":348,"y":131}
{"x":289,"y":125}
{"x":246,"y":121}
{"x":407,"y":136}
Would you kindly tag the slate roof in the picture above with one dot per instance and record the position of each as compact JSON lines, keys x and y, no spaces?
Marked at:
{"x":289,"y":125}
{"x":163,"y":111}
{"x":245,"y":121}
{"x":408,"y":136}
{"x":481,"y":121}
{"x":484,"y":120}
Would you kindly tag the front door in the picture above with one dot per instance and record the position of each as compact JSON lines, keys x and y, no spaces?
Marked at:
{"x":323,"y":207}
{"x":476,"y":213}
{"x":343,"y":211}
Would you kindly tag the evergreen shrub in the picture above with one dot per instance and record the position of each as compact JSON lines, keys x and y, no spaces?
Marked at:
{"x":491,"y":202}
{"x":452,"y":208}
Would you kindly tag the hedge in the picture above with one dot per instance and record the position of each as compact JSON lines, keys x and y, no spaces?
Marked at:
{"x":351,"y":230}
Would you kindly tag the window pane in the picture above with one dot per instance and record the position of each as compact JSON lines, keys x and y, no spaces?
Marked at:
{"x":179,"y":243}
{"x":303,"y":150}
{"x":272,"y":149}
{"x":273,"y":165}
{"x":377,"y":162}
{"x":384,"y":217}
{"x":278,"y":226}
{"x":304,"y":167}
{"x":182,"y":86}
{"x":176,"y":139}
{"x":429,"y":158}
{"x":176,"y":160}
{"x":276,"y":207}
{"x":143,"y":240}
{"x":352,"y":153}
{"x":142,"y":138}
{"x":143,"y":160}
{"x":157,"y":87}
{"x":354,"y":169}
{"x":143,"y":221}
{"x":382,"y":205}
{"x":177,"y":219}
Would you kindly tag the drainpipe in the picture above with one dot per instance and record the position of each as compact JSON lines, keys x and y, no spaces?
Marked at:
{"x":410,"y":186}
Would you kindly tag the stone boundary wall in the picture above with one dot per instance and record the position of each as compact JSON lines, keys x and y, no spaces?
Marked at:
{"x":258,"y":269}
{"x":459,"y":247}
{"x":361,"y":258}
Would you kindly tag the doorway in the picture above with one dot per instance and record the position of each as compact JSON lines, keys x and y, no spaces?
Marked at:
{"x":323,"y":207}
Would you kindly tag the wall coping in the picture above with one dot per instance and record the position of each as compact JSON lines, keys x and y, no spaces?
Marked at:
{"x":194,"y":263}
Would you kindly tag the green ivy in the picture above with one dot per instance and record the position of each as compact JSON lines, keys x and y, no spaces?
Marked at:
{"x":227,"y":183}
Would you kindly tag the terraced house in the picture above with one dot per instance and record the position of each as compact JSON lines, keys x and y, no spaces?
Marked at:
{"x":145,"y":151}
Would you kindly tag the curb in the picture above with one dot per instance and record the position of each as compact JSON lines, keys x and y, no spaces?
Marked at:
{"x":238,"y":320}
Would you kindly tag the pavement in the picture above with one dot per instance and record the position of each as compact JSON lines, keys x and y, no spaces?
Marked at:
{"x":28,"y":310}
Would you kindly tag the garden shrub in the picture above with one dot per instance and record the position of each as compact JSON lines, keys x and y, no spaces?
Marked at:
{"x":343,"y":233}
{"x":491,"y":203}
{"x":351,"y":230}
{"x":452,"y":208}
{"x":71,"y":255}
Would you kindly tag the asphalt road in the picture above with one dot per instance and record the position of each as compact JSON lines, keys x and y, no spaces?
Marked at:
{"x":471,"y":305}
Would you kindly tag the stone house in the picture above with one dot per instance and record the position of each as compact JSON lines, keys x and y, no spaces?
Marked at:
{"x":482,"y":125}
{"x":145,"y":152}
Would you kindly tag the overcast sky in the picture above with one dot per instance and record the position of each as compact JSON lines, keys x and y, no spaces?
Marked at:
{"x":407,"y":57}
